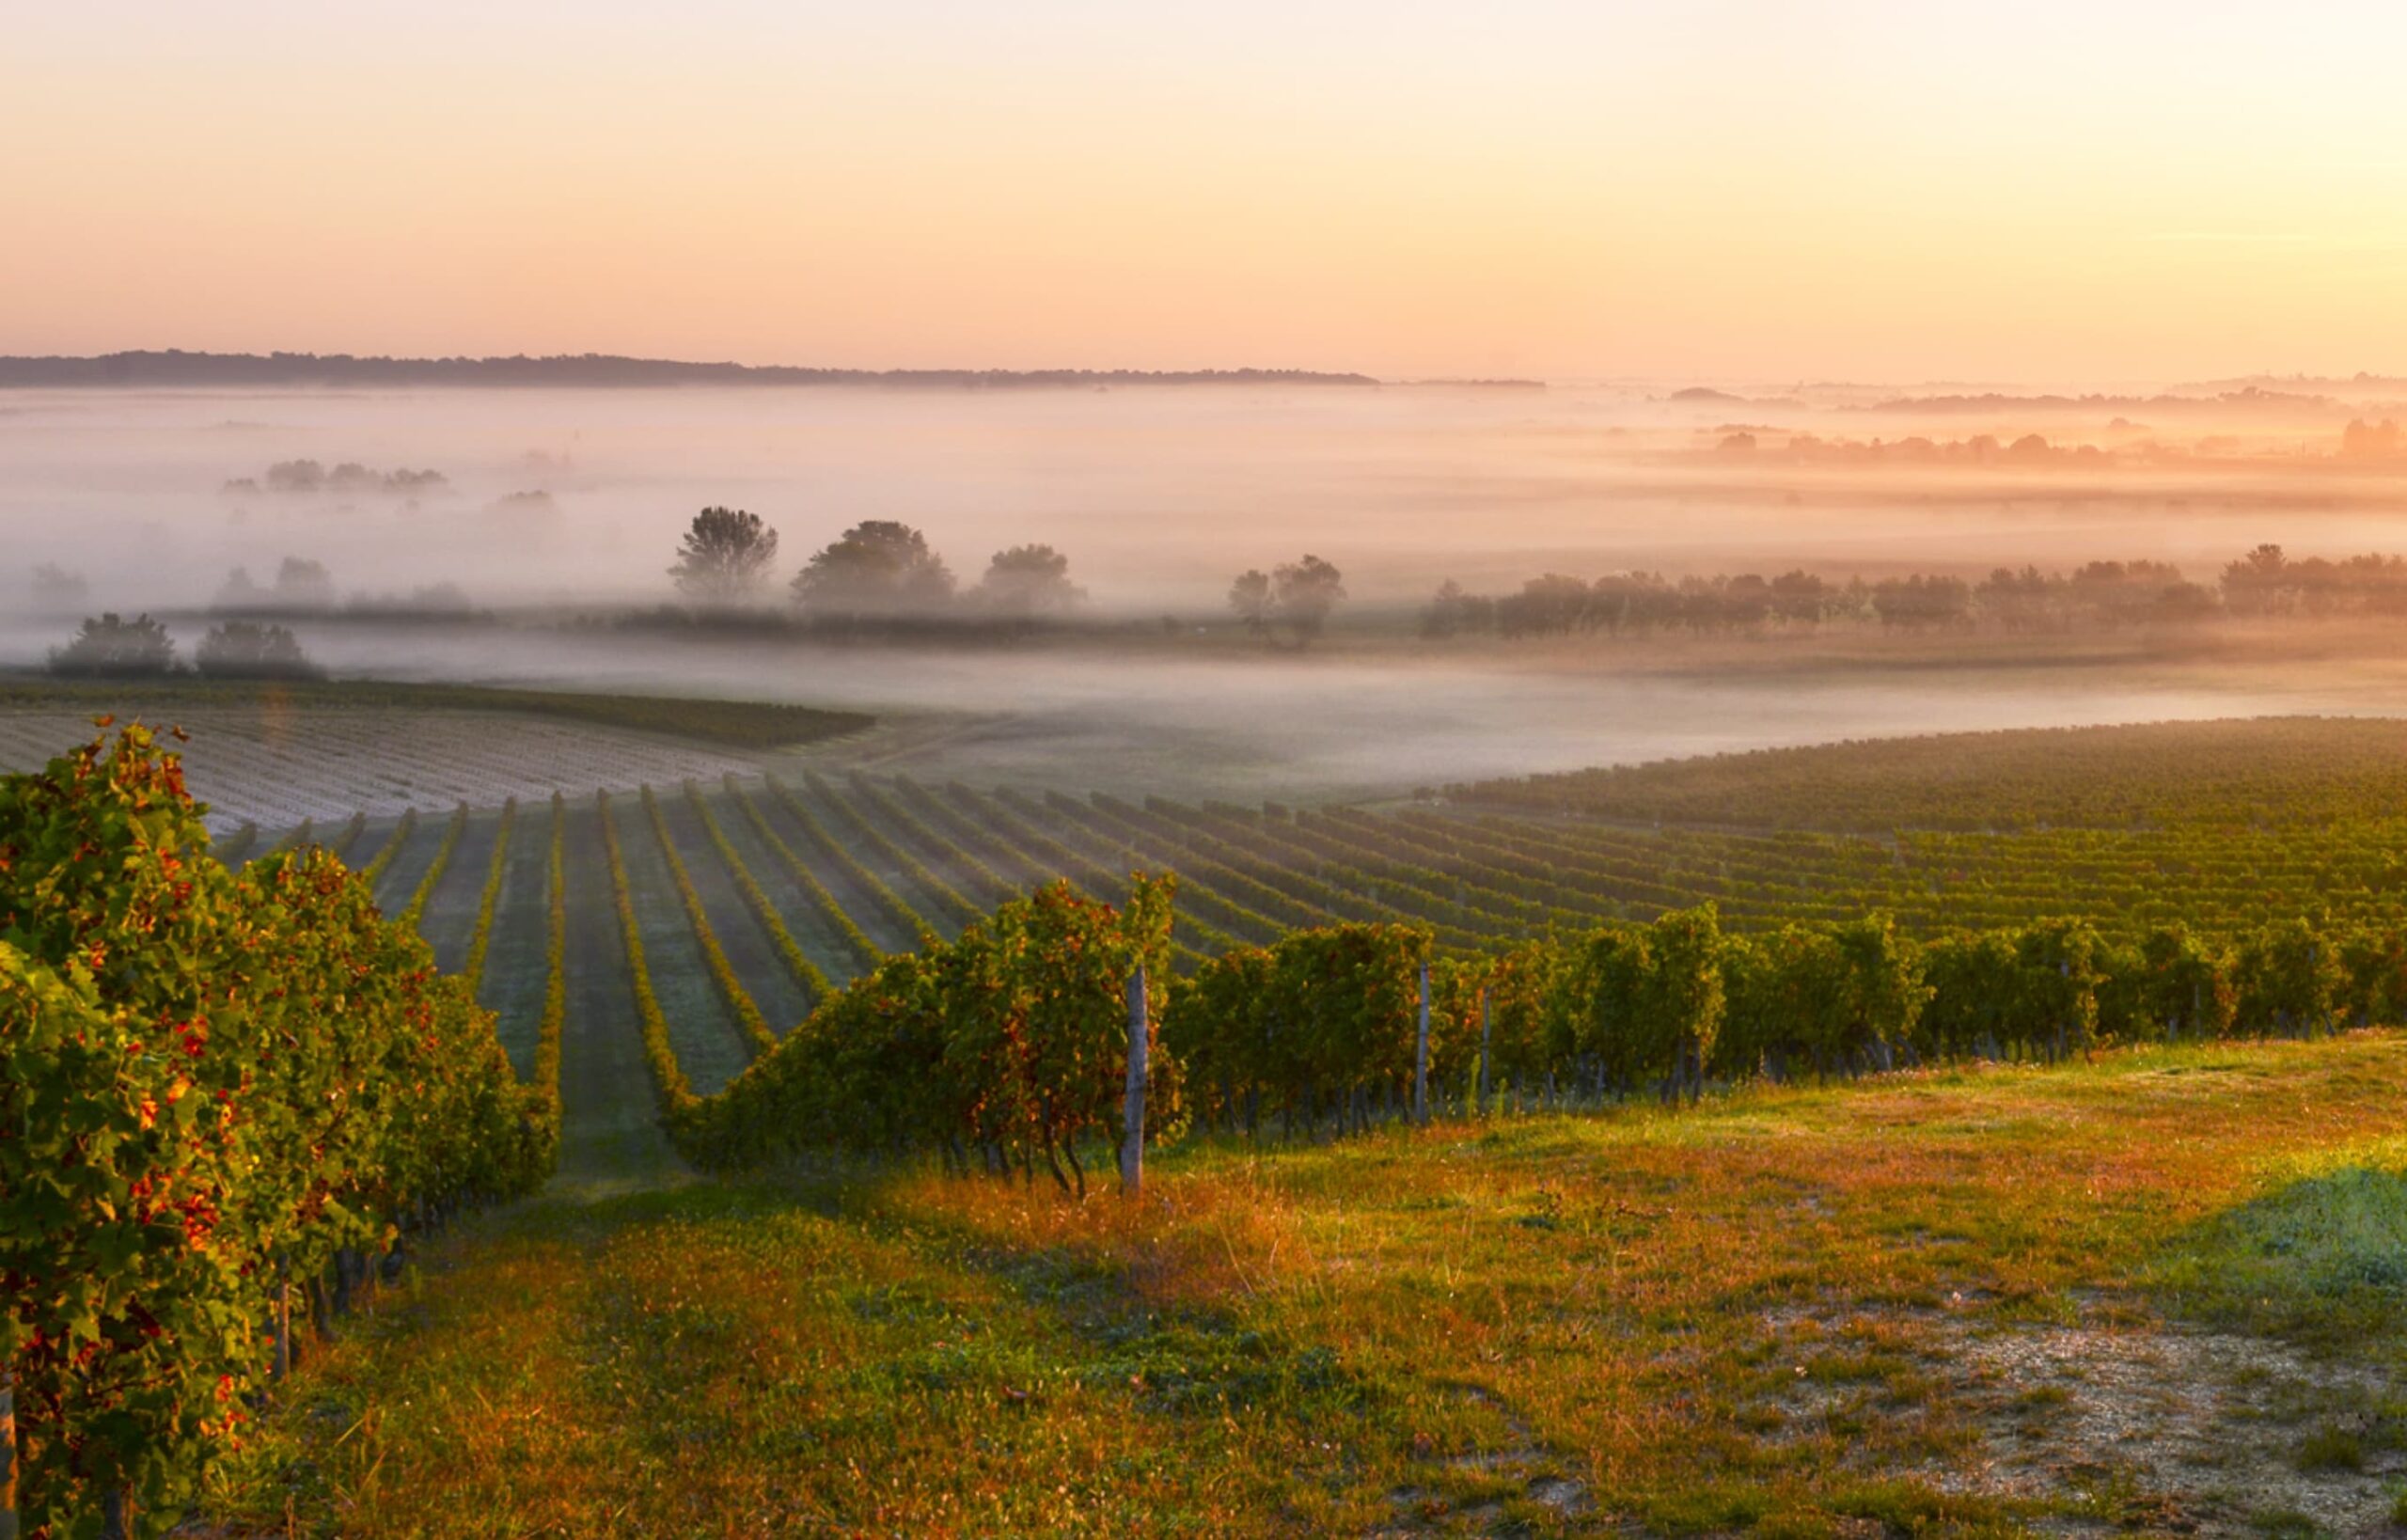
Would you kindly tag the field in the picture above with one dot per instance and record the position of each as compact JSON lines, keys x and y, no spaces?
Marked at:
{"x":273,"y":756}
{"x":2150,"y":1293}
{"x":2155,"y":1290}
{"x":2270,"y":772}
{"x":800,"y":881}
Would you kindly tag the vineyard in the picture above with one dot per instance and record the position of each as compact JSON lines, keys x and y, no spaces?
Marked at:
{"x":706,"y":975}
{"x":273,"y":756}
{"x":647,"y":948}
{"x":2268,"y":772}
{"x":692,"y":924}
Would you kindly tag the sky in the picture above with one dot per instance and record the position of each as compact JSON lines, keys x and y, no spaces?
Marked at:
{"x":2047,"y":192}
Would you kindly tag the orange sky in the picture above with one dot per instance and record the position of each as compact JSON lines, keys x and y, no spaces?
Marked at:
{"x":2051,"y":192}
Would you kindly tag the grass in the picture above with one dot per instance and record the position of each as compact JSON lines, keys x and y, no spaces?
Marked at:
{"x":1785,"y":1313}
{"x":2324,"y":1249}
{"x":734,"y":724}
{"x":2330,"y":1448}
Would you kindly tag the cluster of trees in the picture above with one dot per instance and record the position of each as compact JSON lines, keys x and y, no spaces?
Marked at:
{"x":2102,"y":594}
{"x":222,"y":1096}
{"x":2359,"y":440}
{"x":2032,"y":450}
{"x":304,"y":586}
{"x":110,"y":646}
{"x":299,"y":584}
{"x":1008,"y":1044}
{"x":349,"y":479}
{"x":1296,"y":597}
{"x":56,"y":591}
{"x":2363,"y":440}
{"x":879,"y":570}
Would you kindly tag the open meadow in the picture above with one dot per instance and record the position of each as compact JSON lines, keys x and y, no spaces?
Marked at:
{"x":2157,"y":1293}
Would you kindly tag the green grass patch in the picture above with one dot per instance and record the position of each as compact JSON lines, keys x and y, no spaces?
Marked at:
{"x":2330,"y":1448}
{"x":2321,"y":1255}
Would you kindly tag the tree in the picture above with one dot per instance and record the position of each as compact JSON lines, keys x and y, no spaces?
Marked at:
{"x":1250,"y":596}
{"x":1304,"y":592}
{"x":877,"y":568}
{"x":56,"y":590}
{"x":246,"y":649}
{"x":1297,"y":594}
{"x":1026,"y":581}
{"x":239,"y":592}
{"x":110,"y":647}
{"x":2370,"y":441}
{"x":1444,"y":614}
{"x":2259,"y":582}
{"x":1922,"y":600}
{"x":302,"y":584}
{"x":723,"y":556}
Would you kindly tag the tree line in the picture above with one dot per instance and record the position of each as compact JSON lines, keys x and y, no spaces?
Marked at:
{"x":883,"y":571}
{"x":113,"y":646}
{"x":2265,"y":582}
{"x":223,"y":1099}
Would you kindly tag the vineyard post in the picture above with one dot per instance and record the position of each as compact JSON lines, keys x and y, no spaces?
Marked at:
{"x":1420,"y":1055}
{"x":1482,"y":1108}
{"x":1132,"y":1145}
{"x":8,"y":1455}
{"x":282,"y":1364}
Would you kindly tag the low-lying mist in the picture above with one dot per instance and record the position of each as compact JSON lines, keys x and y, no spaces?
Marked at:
{"x":1157,"y":494}
{"x":539,"y":504}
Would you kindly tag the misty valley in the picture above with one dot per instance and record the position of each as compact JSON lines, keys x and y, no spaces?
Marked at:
{"x":1199,"y":955}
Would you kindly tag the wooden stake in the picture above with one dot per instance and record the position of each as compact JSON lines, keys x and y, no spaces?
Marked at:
{"x":1132,"y":1141}
{"x":1421,"y":1056}
{"x":1482,"y":1108}
{"x":8,"y":1455}
{"x":283,"y":1363}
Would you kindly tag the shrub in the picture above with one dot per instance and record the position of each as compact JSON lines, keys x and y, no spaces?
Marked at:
{"x":108,"y":646}
{"x":249,"y":650}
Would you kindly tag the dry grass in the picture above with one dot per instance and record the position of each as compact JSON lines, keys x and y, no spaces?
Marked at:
{"x":1968,"y":1301}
